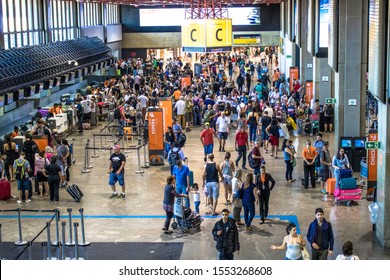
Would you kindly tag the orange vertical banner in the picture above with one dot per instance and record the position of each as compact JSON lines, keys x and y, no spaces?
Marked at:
{"x":372,"y":165}
{"x":156,"y":136}
{"x":166,"y":105}
{"x":309,"y":92}
{"x":294,"y":75}
{"x":185,"y":81}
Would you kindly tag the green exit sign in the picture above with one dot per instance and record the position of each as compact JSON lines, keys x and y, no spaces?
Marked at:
{"x":373,"y":145}
{"x":330,"y":101}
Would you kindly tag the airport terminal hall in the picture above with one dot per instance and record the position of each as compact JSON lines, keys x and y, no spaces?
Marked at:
{"x":199,"y":130}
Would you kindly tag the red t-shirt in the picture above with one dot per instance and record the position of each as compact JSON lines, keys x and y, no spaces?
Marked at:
{"x":241,"y":138}
{"x":207,"y":135}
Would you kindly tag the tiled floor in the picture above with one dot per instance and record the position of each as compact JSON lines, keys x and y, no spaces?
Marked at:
{"x":139,"y":217}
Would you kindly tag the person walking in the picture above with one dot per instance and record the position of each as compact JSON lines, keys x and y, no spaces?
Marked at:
{"x":206,"y":137}
{"x":293,"y":242}
{"x":241,"y":145}
{"x":168,"y":202}
{"x":309,"y":155}
{"x":265,"y":183}
{"x":237,"y":202}
{"x":265,"y":121}
{"x":326,"y":163}
{"x":211,"y":174}
{"x":289,"y":158}
{"x":347,"y":254}
{"x":53,"y":173}
{"x":181,"y":173}
{"x":116,"y":170}
{"x":225,"y":233}
{"x":223,"y":130}
{"x":273,"y":132}
{"x":227,"y":169}
{"x":256,"y":154}
{"x":249,"y":197}
{"x":252,"y":121}
{"x":320,"y":236}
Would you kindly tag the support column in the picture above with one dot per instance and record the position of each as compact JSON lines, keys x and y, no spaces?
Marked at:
{"x":322,"y":79}
{"x":306,"y":60}
{"x":350,"y":82}
{"x":383,"y":185}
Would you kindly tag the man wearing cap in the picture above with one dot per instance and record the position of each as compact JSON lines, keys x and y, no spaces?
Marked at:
{"x":117,"y":172}
{"x":206,"y":137}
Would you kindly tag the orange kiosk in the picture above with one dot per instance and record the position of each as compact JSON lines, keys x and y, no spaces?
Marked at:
{"x":41,"y":140}
{"x":156,"y":136}
{"x":165,"y":103}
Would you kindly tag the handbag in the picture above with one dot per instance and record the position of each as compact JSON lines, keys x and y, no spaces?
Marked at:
{"x":294,"y":162}
{"x":305,"y":254}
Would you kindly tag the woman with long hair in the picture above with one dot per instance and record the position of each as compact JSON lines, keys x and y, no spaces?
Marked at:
{"x":237,"y":202}
{"x":273,"y":131}
{"x":11,"y":152}
{"x":227,"y":168}
{"x":249,"y":197}
{"x":293,"y":242}
{"x":340,"y":161}
{"x":40,"y":162}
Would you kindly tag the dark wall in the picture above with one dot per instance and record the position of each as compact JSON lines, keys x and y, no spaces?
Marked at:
{"x":270,"y":21}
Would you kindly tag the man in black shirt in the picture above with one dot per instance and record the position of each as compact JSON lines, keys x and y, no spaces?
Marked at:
{"x":117,"y":172}
{"x":265,"y":121}
{"x":226,"y":234}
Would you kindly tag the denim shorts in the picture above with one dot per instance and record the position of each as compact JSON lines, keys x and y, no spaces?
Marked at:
{"x":213,"y":189}
{"x":120,"y":178}
{"x":23,"y":185}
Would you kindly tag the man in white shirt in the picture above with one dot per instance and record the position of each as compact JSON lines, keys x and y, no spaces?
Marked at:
{"x":269,"y":110}
{"x":86,"y":109}
{"x":180,"y":106}
{"x":273,"y":95}
{"x":223,"y":130}
{"x":144,"y":103}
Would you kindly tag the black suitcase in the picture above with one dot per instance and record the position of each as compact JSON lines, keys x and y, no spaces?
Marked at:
{"x":75,"y":192}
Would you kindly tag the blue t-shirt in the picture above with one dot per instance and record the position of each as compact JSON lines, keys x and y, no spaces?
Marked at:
{"x":181,"y":174}
{"x":248,"y":197}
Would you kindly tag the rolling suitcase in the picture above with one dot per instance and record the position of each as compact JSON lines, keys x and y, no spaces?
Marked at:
{"x":5,"y":189}
{"x":330,"y":185}
{"x":75,"y":192}
{"x":348,"y":195}
{"x":348,"y":184}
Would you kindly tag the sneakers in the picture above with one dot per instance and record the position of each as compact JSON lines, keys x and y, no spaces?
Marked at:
{"x":248,"y":228}
{"x":244,"y":168}
{"x":113,"y":195}
{"x":323,"y":191}
{"x":19,"y":202}
{"x":122,"y":195}
{"x":28,"y":200}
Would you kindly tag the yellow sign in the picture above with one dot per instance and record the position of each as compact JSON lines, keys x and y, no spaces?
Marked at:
{"x":193,"y":33}
{"x":219,"y":32}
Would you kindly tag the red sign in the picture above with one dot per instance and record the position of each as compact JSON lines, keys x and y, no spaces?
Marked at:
{"x":309,"y":92}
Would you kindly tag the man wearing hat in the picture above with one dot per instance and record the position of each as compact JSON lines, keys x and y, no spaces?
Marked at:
{"x":117,"y":172}
{"x":206,"y":137}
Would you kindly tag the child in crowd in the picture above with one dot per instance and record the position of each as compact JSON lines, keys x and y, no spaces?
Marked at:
{"x":196,"y":193}
{"x":206,"y":194}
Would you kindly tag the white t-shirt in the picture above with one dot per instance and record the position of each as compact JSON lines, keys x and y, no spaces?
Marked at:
{"x":196,"y":196}
{"x":270,"y":112}
{"x":223,"y":124}
{"x":86,"y":106}
{"x":144,"y":100}
{"x":180,"y":106}
{"x":347,"y":258}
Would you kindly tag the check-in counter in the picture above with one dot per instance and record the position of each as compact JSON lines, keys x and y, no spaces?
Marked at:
{"x":59,"y":122}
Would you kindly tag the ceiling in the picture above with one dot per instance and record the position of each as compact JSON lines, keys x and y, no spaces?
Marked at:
{"x":167,"y":3}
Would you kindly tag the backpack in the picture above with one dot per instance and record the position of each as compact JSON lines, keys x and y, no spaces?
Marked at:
{"x":19,"y":171}
{"x":253,"y":163}
{"x":329,"y":110}
{"x":30,"y":148}
{"x":117,"y":114}
{"x":182,"y":139}
{"x":174,"y":156}
{"x":196,"y":106}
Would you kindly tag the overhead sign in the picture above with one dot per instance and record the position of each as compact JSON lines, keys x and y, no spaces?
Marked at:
{"x":193,"y":33}
{"x":246,"y":39}
{"x":330,"y":100}
{"x":373,"y":145}
{"x":210,"y":35}
{"x":219,"y":32}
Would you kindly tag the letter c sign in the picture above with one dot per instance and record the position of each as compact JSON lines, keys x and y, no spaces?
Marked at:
{"x":217,"y":34}
{"x":191,"y":35}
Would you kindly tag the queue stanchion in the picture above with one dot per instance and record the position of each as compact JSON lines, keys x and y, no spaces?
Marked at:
{"x":44,"y":244}
{"x":70,"y":242}
{"x":139,"y":171}
{"x":20,"y":242}
{"x":89,"y":156}
{"x":94,"y":148}
{"x":1,"y":245}
{"x":76,"y":244}
{"x":86,"y":160}
{"x":49,"y":257}
{"x":57,"y":241}
{"x":146,"y":163}
{"x":83,"y":242}
{"x":63,"y":224}
{"x":30,"y":250}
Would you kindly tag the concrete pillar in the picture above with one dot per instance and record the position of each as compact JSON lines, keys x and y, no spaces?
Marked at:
{"x":350,"y":82}
{"x":383,"y":185}
{"x":322,"y":79}
{"x":306,"y":59}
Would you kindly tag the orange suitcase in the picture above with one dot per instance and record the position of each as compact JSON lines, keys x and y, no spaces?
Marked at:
{"x":127,"y":131}
{"x":330,"y":185}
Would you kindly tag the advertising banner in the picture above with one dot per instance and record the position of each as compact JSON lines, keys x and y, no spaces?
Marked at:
{"x":156,"y":136}
{"x":294,"y":75}
{"x":372,"y":163}
{"x":166,"y":105}
{"x":309,"y":92}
